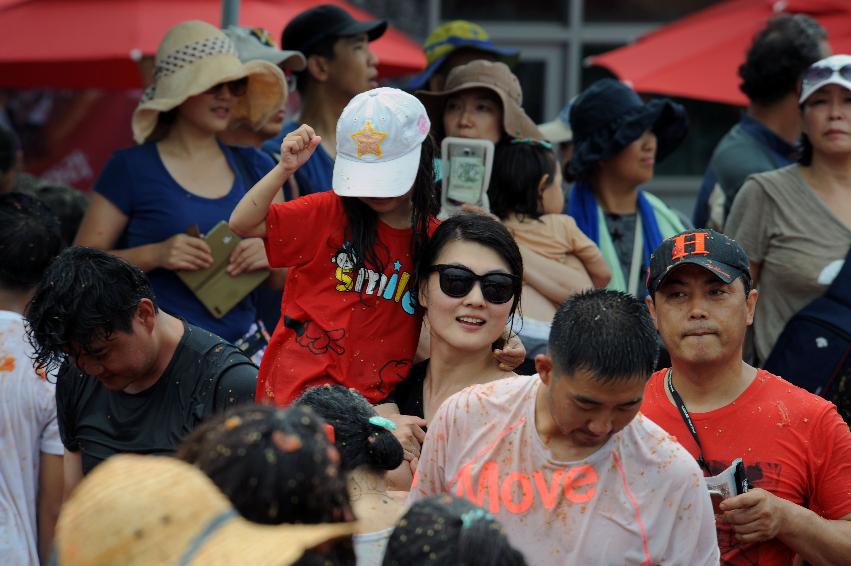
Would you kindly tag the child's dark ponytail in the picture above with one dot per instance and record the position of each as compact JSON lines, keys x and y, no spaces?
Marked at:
{"x":361,"y":436}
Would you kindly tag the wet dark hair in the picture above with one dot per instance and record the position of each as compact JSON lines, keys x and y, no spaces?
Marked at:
{"x":68,"y":204}
{"x":517,"y":171}
{"x":359,"y":442}
{"x":477,"y":228}
{"x":362,"y":221}
{"x":30,"y":238}
{"x":446,"y":530}
{"x":607,"y":333}
{"x":275,"y":465}
{"x":85,"y":295}
{"x":779,"y":55}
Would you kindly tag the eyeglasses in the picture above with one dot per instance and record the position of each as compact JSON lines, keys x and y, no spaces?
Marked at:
{"x":820,"y":73}
{"x":456,"y":281}
{"x":236,"y":88}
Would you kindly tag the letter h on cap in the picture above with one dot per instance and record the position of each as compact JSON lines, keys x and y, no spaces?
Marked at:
{"x":696,"y":239}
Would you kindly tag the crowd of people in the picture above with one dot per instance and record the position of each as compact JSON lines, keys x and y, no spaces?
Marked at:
{"x":270,"y":339}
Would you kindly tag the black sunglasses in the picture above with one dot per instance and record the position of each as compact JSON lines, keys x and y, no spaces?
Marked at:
{"x":236,"y":88}
{"x":819,"y":73}
{"x":456,"y":281}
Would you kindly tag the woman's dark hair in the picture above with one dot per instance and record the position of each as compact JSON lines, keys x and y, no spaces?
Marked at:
{"x":30,"y":239}
{"x":359,"y":442}
{"x":477,"y":228}
{"x":85,"y":295}
{"x":165,"y":120}
{"x":517,"y":172}
{"x":779,"y":55}
{"x":362,"y":221}
{"x":275,"y":465}
{"x":805,"y":151}
{"x":468,"y":536}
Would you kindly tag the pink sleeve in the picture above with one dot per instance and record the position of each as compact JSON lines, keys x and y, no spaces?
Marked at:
{"x":430,"y":478}
{"x":295,"y":229}
{"x":830,"y":457}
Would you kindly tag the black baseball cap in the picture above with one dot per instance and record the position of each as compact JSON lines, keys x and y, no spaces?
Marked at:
{"x":313,"y":26}
{"x":713,"y":251}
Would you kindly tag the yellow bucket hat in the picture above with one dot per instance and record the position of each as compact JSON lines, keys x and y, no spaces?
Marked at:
{"x":195,"y":56}
{"x":142,"y":510}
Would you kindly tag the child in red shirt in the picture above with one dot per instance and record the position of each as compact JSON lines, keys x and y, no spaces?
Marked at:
{"x":348,"y":315}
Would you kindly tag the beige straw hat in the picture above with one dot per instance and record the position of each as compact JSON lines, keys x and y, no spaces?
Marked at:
{"x":195,"y":56}
{"x":495,"y":77}
{"x":144,"y":510}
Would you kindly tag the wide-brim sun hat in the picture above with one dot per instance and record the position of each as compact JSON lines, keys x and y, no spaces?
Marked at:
{"x":558,"y":130}
{"x":495,"y":77}
{"x":379,"y":141}
{"x":452,"y":36}
{"x":195,"y":56}
{"x":256,"y":43}
{"x":833,"y":70}
{"x":608,"y":116}
{"x":142,"y":510}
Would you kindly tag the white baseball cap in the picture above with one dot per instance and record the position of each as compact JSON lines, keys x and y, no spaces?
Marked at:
{"x":833,"y":70}
{"x":379,"y":139}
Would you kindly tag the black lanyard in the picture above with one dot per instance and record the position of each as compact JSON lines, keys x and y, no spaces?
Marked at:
{"x":678,"y":401}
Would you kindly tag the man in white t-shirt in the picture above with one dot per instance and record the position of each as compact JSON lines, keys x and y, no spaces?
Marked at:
{"x":564,"y":460}
{"x":31,"y":461}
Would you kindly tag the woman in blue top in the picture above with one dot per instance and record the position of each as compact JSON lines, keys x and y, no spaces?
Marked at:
{"x":181,"y":177}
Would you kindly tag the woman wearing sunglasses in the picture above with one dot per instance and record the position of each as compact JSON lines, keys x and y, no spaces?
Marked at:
{"x":180,"y":178}
{"x":795,"y":222}
{"x":469,"y":284}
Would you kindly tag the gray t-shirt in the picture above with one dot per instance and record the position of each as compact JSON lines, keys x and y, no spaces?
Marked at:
{"x":788,"y":229}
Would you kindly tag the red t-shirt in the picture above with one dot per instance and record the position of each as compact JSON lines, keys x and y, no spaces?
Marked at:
{"x":793,"y":444}
{"x":359,"y":330}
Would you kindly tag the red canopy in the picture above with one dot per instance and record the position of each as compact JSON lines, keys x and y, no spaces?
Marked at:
{"x":96,"y":43}
{"x":698,"y":56}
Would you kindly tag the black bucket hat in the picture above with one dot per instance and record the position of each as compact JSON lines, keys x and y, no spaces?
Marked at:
{"x":609,"y":116}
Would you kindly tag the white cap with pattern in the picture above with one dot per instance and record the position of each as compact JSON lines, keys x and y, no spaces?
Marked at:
{"x":379,"y":140}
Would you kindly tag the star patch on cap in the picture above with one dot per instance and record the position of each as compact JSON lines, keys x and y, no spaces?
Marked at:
{"x":368,"y":140}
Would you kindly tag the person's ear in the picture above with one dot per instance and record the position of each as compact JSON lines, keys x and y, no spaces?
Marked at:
{"x":422,"y":294}
{"x":317,"y":66}
{"x":543,"y":184}
{"x":146,"y":314}
{"x":753,"y":297}
{"x":544,"y":367}
{"x":651,"y":307}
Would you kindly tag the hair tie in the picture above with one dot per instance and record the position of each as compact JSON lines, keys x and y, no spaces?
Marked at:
{"x":383,"y":422}
{"x":533,"y":142}
{"x":473,"y":515}
{"x":329,"y":432}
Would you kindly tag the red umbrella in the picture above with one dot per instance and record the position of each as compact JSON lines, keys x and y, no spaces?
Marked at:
{"x":698,"y":56}
{"x":96,"y":43}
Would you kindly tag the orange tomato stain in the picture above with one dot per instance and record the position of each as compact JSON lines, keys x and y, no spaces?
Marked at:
{"x":7,"y":364}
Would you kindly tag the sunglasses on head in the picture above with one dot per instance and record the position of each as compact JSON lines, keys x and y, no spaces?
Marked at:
{"x":456,"y":281}
{"x":236,"y":88}
{"x":820,"y":73}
